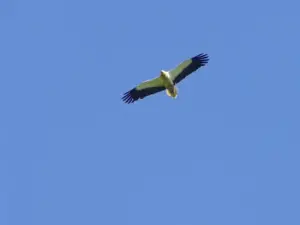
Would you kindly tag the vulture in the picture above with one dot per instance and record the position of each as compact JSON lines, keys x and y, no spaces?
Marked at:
{"x":167,"y":80}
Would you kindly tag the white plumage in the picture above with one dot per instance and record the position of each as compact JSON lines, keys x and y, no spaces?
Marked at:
{"x":167,"y":80}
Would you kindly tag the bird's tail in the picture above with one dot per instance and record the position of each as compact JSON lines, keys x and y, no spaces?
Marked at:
{"x":172,"y":93}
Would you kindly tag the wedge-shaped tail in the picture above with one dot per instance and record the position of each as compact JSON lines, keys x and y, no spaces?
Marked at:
{"x":172,"y":93}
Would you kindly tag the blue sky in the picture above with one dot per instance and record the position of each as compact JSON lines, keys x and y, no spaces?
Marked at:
{"x":226,"y":151}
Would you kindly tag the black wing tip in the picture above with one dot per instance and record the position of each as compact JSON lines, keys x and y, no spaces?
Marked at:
{"x":202,"y":58}
{"x":129,"y":97}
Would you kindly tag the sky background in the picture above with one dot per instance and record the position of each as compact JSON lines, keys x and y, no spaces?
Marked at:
{"x":225,"y":152}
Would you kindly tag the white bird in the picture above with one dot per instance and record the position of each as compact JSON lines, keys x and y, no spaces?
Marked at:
{"x":167,"y":80}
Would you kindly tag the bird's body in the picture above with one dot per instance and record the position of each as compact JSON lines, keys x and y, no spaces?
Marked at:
{"x":167,"y":80}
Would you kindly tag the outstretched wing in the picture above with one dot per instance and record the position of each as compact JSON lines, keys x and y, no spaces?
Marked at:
{"x":146,"y":88}
{"x":187,"y":67}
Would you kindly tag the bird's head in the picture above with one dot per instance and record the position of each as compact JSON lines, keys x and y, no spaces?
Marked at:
{"x":163,"y":73}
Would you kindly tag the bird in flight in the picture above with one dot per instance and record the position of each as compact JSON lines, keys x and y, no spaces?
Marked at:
{"x":167,"y":80}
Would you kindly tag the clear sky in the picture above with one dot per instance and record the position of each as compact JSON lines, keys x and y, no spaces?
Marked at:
{"x":225,"y":152}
